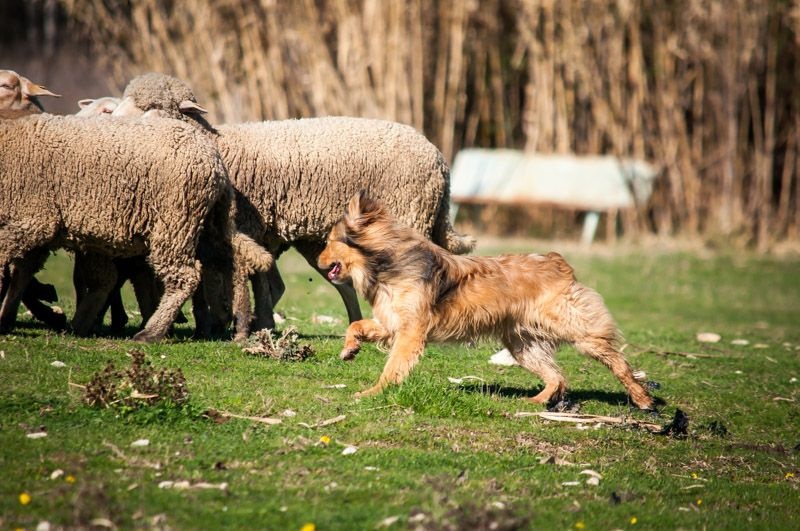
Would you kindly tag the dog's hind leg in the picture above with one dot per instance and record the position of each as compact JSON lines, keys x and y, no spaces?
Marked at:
{"x":363,"y":330}
{"x":593,"y":332}
{"x":405,"y":353}
{"x":537,"y":356}
{"x":602,"y":349}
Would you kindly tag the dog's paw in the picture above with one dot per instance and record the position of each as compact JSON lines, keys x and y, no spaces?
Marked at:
{"x":348,"y":354}
{"x":374,"y":390}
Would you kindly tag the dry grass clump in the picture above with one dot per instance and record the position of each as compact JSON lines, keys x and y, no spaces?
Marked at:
{"x":283,"y":347}
{"x":136,"y":386}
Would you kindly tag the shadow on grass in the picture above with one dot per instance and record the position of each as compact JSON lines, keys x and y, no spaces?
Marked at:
{"x":573,"y":395}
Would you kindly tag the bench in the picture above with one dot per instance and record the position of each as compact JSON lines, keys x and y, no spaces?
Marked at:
{"x":590,"y":183}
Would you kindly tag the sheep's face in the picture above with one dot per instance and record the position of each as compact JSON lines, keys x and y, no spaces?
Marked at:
{"x":127,"y":107}
{"x":19,"y":93}
{"x":97,"y":107}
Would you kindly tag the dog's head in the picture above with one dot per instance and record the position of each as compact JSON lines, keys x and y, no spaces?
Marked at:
{"x":350,"y":253}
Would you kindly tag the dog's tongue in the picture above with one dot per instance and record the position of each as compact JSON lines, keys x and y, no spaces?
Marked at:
{"x":334,"y":271}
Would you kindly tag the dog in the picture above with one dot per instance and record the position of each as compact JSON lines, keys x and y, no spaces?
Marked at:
{"x":419,"y":293}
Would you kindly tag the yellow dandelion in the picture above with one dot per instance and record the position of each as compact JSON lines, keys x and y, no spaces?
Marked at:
{"x":309,"y":526}
{"x":70,"y":479}
{"x":699,"y":501}
{"x":694,"y":475}
{"x":789,"y":475}
{"x":24,"y":498}
{"x":634,"y":520}
{"x":580,"y":525}
{"x":326,"y":441}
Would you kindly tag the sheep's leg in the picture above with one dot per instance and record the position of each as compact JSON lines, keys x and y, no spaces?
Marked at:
{"x":268,"y":288}
{"x":119,"y":317}
{"x":405,"y":353}
{"x":179,"y":284}
{"x":17,"y":281}
{"x":264,"y":305}
{"x":16,"y":242}
{"x":34,"y":293}
{"x":537,"y":357}
{"x":19,"y":277}
{"x":145,"y":286}
{"x":216,"y":288}
{"x":100,"y":275}
{"x":363,"y":330}
{"x":311,"y":252}
{"x":242,"y":313}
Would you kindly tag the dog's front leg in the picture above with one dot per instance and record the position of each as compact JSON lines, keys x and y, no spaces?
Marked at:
{"x":405,"y":353}
{"x":358,"y":331}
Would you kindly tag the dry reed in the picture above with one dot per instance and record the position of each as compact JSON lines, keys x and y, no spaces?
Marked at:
{"x":706,"y":89}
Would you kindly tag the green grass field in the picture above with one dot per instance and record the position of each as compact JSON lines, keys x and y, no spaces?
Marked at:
{"x":430,"y":454}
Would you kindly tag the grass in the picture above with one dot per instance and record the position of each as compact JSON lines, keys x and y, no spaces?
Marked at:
{"x":433,"y":453}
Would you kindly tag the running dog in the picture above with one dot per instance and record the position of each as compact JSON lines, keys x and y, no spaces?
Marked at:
{"x":419,"y":292}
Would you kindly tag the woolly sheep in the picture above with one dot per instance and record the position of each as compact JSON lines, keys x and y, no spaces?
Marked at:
{"x":134,"y":269}
{"x":97,"y":107}
{"x":18,"y":93}
{"x":293,"y":178}
{"x":111,"y":188}
{"x":250,"y":258}
{"x":18,"y":98}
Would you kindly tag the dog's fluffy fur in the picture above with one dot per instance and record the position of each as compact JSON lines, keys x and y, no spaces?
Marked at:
{"x":419,"y":292}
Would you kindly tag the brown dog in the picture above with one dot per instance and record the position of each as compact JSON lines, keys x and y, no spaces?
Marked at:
{"x":420,"y":292}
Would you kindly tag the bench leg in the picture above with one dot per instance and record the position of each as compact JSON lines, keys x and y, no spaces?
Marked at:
{"x":589,"y":227}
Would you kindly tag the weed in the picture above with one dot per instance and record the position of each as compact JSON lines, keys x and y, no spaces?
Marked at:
{"x":135,"y":386}
{"x":283,"y":347}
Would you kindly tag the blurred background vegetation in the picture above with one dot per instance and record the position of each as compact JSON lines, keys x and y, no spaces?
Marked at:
{"x":705,"y":89}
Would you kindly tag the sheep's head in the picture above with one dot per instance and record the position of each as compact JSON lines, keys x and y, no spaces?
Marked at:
{"x":97,"y":107}
{"x":161,"y":95}
{"x":18,"y":93}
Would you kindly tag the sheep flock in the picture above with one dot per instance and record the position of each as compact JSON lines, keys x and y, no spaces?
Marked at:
{"x":144,"y":189}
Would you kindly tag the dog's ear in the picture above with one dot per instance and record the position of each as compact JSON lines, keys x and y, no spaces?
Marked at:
{"x":362,"y":208}
{"x":353,"y":210}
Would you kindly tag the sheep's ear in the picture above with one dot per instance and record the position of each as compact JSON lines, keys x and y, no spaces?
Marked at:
{"x":30,"y":88}
{"x":191,"y":107}
{"x":85,"y":103}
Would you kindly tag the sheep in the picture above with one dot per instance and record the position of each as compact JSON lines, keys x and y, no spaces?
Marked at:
{"x":19,"y":97}
{"x":134,"y":269}
{"x":210,"y":322}
{"x":97,"y":107}
{"x":293,"y":178}
{"x":18,"y":93}
{"x":111,"y":188}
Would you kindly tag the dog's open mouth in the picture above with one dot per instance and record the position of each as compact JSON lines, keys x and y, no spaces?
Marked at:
{"x":333,"y":274}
